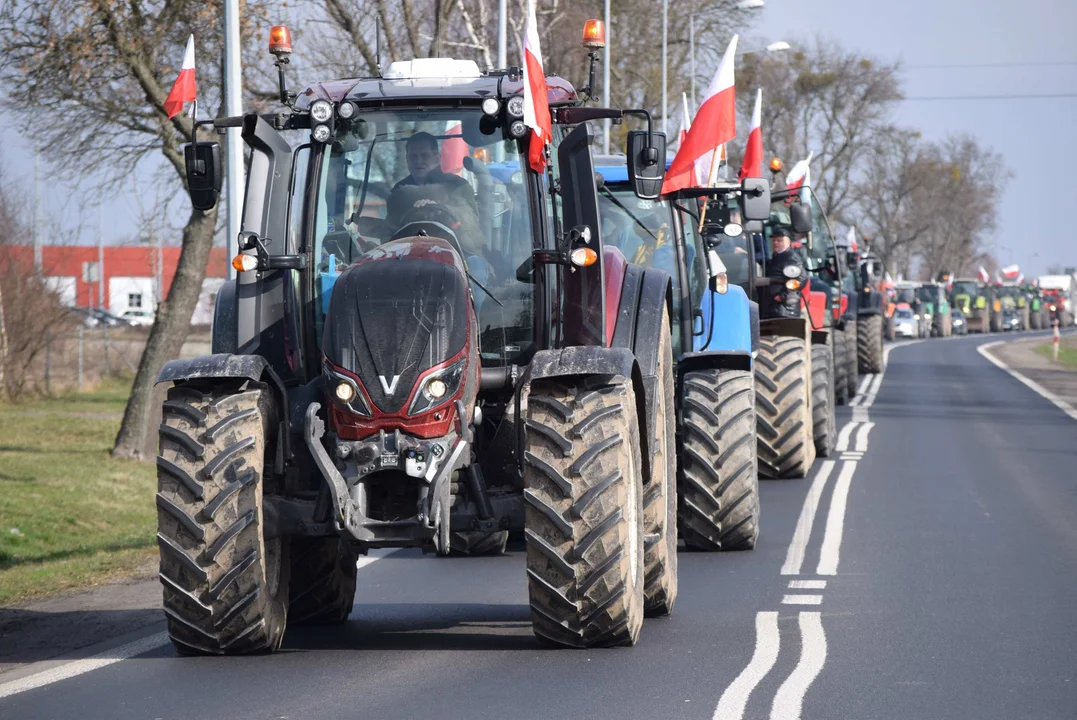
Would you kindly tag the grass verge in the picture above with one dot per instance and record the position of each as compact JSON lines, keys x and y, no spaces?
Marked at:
{"x":70,"y":514}
{"x":1067,"y":353}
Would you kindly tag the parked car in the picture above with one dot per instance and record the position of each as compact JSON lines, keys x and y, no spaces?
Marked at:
{"x":94,"y":317}
{"x":906,"y":323}
{"x":958,"y":321}
{"x":137,"y":318}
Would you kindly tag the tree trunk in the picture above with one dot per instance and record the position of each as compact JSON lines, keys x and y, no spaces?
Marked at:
{"x":168,"y":332}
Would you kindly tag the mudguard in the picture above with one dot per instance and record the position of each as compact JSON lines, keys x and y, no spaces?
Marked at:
{"x":728,"y":322}
{"x":225,"y":319}
{"x":224,"y":366}
{"x":870,"y":302}
{"x":619,"y":364}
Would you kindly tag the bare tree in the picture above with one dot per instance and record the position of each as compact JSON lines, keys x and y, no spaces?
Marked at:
{"x":100,"y":72}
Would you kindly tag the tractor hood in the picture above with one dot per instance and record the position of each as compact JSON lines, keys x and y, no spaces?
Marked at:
{"x":401,"y":310}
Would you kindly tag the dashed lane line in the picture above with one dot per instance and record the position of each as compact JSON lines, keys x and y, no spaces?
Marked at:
{"x":807,"y":584}
{"x":802,"y":600}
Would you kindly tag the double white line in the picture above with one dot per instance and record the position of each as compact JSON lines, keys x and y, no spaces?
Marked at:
{"x":788,"y":700}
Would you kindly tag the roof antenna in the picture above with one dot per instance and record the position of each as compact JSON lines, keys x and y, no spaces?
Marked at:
{"x":377,"y":43}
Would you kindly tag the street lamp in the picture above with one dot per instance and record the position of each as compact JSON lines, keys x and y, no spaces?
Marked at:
{"x":774,"y":47}
{"x":750,"y":4}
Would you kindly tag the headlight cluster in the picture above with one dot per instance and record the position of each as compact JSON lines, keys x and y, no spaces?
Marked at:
{"x":437,"y":388}
{"x":321,"y":119}
{"x":345,"y":391}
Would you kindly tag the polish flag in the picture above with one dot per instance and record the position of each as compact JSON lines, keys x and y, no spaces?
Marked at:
{"x":983,"y":274}
{"x":753,"y":154}
{"x":1020,"y":279}
{"x":715,"y":123}
{"x":453,"y":150}
{"x":184,"y":90}
{"x":686,"y":120}
{"x":800,"y":174}
{"x":536,"y":105}
{"x":850,"y":240}
{"x":1010,"y":272}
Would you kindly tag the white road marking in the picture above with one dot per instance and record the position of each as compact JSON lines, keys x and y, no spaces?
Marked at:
{"x":862,"y":437}
{"x":123,"y":652}
{"x":1030,"y":384}
{"x":807,"y":584}
{"x":794,"y":558}
{"x":79,"y":667}
{"x":802,"y":600}
{"x":835,"y":522}
{"x":735,"y":698}
{"x":864,"y":380}
{"x":789,"y":700}
{"x":843,"y":436}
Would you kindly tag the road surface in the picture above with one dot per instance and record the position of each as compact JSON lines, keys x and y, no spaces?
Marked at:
{"x":927,"y":570}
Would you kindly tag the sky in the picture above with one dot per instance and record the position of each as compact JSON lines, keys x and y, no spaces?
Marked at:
{"x":1013,"y":48}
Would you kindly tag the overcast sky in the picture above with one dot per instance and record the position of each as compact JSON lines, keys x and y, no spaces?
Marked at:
{"x":1003,"y":47}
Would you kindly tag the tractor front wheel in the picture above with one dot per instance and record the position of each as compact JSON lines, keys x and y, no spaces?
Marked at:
{"x":783,"y":407}
{"x":841,"y":383}
{"x":869,"y":344}
{"x":822,"y":400}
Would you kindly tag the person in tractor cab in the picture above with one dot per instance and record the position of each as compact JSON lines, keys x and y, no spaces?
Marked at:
{"x":781,"y":300}
{"x":424,"y":164}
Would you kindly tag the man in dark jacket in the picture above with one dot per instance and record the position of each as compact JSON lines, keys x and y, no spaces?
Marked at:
{"x":780,"y":299}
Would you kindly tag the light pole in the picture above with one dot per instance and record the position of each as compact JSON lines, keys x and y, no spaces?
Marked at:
{"x":502,"y":33}
{"x":665,"y":65}
{"x":742,"y":5}
{"x":606,"y":77}
{"x":233,"y":100}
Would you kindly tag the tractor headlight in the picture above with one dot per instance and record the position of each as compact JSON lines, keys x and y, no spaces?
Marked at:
{"x":517,"y":129}
{"x":347,"y":110}
{"x":792,"y":284}
{"x":345,"y":392}
{"x":515,"y":106}
{"x":791,"y":271}
{"x":321,"y":133}
{"x":490,"y":106}
{"x":721,"y":283}
{"x":321,"y":111}
{"x":437,"y":388}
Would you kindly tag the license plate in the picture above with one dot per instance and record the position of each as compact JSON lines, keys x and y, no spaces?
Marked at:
{"x":389,"y":460}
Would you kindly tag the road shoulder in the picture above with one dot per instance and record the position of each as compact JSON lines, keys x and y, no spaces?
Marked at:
{"x":1021,"y":360}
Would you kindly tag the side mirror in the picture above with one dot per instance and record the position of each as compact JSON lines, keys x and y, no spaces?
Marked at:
{"x":800,"y":218}
{"x":755,"y":199}
{"x":203,"y":163}
{"x":646,"y":163}
{"x":753,"y":226}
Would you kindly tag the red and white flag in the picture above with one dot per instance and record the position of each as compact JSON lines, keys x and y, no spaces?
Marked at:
{"x":753,"y":154}
{"x":983,"y":274}
{"x":800,"y":174}
{"x":686,"y":120}
{"x":850,"y":239}
{"x":1010,"y":272}
{"x":536,"y":105}
{"x":184,"y":89}
{"x":715,"y":123}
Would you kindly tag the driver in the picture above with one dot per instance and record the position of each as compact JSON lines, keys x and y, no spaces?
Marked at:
{"x":424,"y":164}
{"x":778,"y":300}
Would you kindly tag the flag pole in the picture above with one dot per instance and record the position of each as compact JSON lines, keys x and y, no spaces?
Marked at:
{"x":710,"y":183}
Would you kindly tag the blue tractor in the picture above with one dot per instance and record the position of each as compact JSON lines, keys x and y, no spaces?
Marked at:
{"x":715,"y":332}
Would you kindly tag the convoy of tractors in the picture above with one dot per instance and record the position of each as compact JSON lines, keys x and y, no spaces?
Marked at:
{"x":432,"y":344}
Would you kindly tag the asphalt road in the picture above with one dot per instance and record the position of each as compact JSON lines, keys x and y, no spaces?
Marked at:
{"x":928,"y":570}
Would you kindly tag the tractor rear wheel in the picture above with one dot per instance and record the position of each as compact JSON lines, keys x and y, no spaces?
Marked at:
{"x":852,"y":361}
{"x":783,"y":407}
{"x":719,"y":475}
{"x":323,"y":571}
{"x":225,"y":583}
{"x":473,"y":543}
{"x":822,"y":400}
{"x":660,"y":495}
{"x":869,"y":344}
{"x":583,"y":513}
{"x":841,"y":383}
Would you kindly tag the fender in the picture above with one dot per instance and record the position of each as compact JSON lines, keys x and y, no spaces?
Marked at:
{"x":732,"y":360}
{"x":619,"y":364}
{"x":728,"y":322}
{"x":225,"y":321}
{"x":226,"y":366}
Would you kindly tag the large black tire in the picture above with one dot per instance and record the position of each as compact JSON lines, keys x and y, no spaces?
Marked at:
{"x":1034,"y":320}
{"x":852,"y":361}
{"x":660,"y":495}
{"x":719,"y":480}
{"x":322,"y":581}
{"x":783,"y":408}
{"x":841,"y":383}
{"x":996,"y":322}
{"x":869,"y":343}
{"x":583,"y":513}
{"x":225,"y":585}
{"x":824,"y":424}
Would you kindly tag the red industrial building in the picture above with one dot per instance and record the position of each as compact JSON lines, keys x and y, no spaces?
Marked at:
{"x":118,"y":278}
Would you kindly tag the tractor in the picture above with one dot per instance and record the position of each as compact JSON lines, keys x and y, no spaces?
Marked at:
{"x":1012,"y":297}
{"x":936,"y":308}
{"x":415,"y":354}
{"x":794,"y":371}
{"x":873,"y":309}
{"x":1037,"y":316}
{"x":715,"y":334}
{"x":976,"y":301}
{"x":907,"y":297}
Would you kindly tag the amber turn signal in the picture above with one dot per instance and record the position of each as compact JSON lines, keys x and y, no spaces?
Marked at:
{"x":280,"y":40}
{"x":583,"y":257}
{"x":594,"y":34}
{"x":245,"y":263}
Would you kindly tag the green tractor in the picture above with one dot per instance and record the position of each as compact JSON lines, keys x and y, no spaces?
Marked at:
{"x":1012,"y":296}
{"x":935,"y":306}
{"x":977,"y":302}
{"x":1037,"y":309}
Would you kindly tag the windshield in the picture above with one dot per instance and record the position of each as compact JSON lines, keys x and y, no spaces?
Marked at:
{"x":1009,"y":291}
{"x":456,"y":167}
{"x":928,"y":293}
{"x":906,"y":295}
{"x":966,"y":287}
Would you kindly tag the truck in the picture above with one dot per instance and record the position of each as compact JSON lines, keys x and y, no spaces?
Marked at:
{"x":1060,"y":295}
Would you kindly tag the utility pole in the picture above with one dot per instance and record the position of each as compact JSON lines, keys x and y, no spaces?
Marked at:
{"x":502,"y":34}
{"x":692,"y":55}
{"x":233,"y":100}
{"x":100,"y":260}
{"x":665,"y":68}
{"x":37,"y":216}
{"x":606,"y":78}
